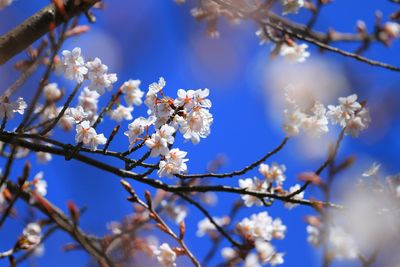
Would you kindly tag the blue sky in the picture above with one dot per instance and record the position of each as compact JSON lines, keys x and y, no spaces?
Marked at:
{"x":148,"y":39}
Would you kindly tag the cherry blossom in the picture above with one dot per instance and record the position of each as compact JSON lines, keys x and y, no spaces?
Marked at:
{"x":313,"y":235}
{"x":293,"y":121}
{"x":155,"y":88}
{"x":7,"y":109}
{"x":158,"y":145}
{"x":51,"y":92}
{"x":341,"y":244}
{"x":291,"y":6}
{"x":98,"y":139}
{"x":205,"y":226}
{"x":73,"y":65}
{"x":298,"y":196}
{"x":267,"y":253}
{"x":372,"y":171}
{"x":132,"y":93}
{"x":255,"y":185}
{"x":2,"y":196}
{"x":136,"y":128}
{"x":196,"y":125}
{"x":317,"y":123}
{"x":350,"y":114}
{"x":165,"y":255}
{"x":185,"y":99}
{"x":273,"y":173}
{"x":252,"y":260}
{"x":121,"y":113}
{"x":200,"y":98}
{"x":174,"y":163}
{"x":31,"y":236}
{"x":43,"y":157}
{"x":84,"y":133}
{"x":228,"y":253}
{"x":39,"y":186}
{"x":294,"y":52}
{"x":261,"y":225}
{"x":76,"y":115}
{"x":88,"y":100}
{"x":174,"y":211}
{"x":101,"y":82}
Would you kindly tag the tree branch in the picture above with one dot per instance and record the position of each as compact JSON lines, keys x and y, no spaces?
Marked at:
{"x":26,"y":33}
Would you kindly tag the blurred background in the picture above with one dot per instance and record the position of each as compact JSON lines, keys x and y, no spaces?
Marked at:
{"x":148,"y":39}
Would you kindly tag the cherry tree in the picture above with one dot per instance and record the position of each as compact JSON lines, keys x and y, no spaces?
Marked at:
{"x":158,"y":115}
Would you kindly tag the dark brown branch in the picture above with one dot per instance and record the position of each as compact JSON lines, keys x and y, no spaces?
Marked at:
{"x":67,"y":150}
{"x":240,"y":172}
{"x":40,"y":23}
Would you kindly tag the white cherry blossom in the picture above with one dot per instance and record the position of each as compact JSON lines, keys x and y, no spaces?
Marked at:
{"x":43,"y":157}
{"x":174,"y":163}
{"x":261,"y":225}
{"x":341,"y":244}
{"x":84,"y":133}
{"x":298,"y":196}
{"x":294,"y":52}
{"x":51,"y":92}
{"x":373,"y":170}
{"x":228,"y":253}
{"x":73,"y":65}
{"x":267,"y":253}
{"x":291,"y":6}
{"x":136,"y":128}
{"x":158,"y":144}
{"x":317,"y":123}
{"x":132,"y":93}
{"x":98,"y":139}
{"x":39,"y":186}
{"x":2,"y":194}
{"x":196,"y":125}
{"x":313,"y":235}
{"x":121,"y":113}
{"x":200,"y":98}
{"x":88,"y":100}
{"x":185,"y":99}
{"x":165,"y":255}
{"x":253,"y":185}
{"x":273,"y":173}
{"x":205,"y":226}
{"x":31,"y":236}
{"x":7,"y":109}
{"x":155,"y":88}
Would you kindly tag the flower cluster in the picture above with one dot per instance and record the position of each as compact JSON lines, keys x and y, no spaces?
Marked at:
{"x":294,"y":52}
{"x":31,"y":236}
{"x":165,"y":255}
{"x":349,"y":114}
{"x":341,"y":244}
{"x":291,"y":6}
{"x":188,"y":113}
{"x":39,"y":186}
{"x":7,"y":108}
{"x":205,"y":226}
{"x":74,"y":67}
{"x":273,"y":174}
{"x":87,"y":135}
{"x":84,"y":115}
{"x":173,"y":163}
{"x":260,"y":229}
